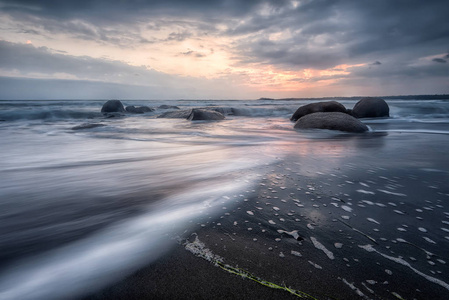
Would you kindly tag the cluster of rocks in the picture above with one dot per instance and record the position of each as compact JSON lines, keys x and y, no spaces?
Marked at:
{"x":333,"y":115}
{"x":115,"y":106}
{"x":330,"y":115}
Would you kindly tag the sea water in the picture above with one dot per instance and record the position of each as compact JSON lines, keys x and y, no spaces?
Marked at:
{"x":81,"y":208}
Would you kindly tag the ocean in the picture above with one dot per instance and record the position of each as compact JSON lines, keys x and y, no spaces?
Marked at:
{"x":83,"y":208}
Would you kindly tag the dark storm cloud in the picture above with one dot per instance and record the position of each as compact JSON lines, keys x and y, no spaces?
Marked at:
{"x":439,"y":60}
{"x":118,"y":10}
{"x":328,"y":33}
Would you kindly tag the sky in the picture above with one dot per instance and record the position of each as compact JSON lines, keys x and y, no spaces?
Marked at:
{"x":222,"y":49}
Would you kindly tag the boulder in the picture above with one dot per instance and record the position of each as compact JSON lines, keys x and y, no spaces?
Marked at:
{"x":327,"y":106}
{"x":138,"y":109}
{"x":222,"y":110}
{"x":332,"y":121}
{"x":371,"y":108}
{"x":164,"y":106}
{"x":112,"y":106}
{"x":203,"y":114}
{"x":178,"y":114}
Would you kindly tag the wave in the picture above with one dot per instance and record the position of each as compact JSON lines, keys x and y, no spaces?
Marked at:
{"x":94,"y":262}
{"x":48,"y":114}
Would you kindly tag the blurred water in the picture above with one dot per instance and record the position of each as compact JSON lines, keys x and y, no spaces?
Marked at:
{"x":78,"y":205}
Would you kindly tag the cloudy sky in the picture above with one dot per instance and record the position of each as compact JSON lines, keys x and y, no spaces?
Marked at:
{"x":222,"y":49}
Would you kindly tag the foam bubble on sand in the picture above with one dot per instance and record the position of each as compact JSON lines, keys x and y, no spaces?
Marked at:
{"x":345,"y":217}
{"x":392,"y":193}
{"x":272,"y":222}
{"x":250,"y":213}
{"x":398,"y":212}
{"x":296,"y":253}
{"x":401,"y":229}
{"x":388,"y":272}
{"x":355,"y":289}
{"x":338,"y":245}
{"x":199,"y":249}
{"x":365,"y":192}
{"x":321,"y":247}
{"x":315,"y":265}
{"x":310,"y":226}
{"x":276,"y":208}
{"x":364,"y":184}
{"x":372,"y":282}
{"x":422,"y":229}
{"x":346,"y":208}
{"x":429,"y":240}
{"x":367,"y":288}
{"x":400,"y":261}
{"x":293,"y":233}
{"x":373,"y":221}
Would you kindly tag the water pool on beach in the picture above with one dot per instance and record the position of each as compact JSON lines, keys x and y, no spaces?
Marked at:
{"x":323,"y":212}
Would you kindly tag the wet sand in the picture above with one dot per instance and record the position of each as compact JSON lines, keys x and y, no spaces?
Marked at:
{"x":351,"y":217}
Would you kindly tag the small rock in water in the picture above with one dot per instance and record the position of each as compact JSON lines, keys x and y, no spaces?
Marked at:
{"x":87,"y":126}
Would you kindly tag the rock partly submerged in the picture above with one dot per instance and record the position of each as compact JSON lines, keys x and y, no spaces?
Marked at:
{"x":138,"y":109}
{"x":178,"y":114}
{"x":113,"y":106}
{"x":331,"y":121}
{"x":165,"y":106}
{"x":205,"y":115}
{"x":326,"y":106}
{"x":371,"y":107}
{"x":87,"y":126}
{"x":195,"y":114}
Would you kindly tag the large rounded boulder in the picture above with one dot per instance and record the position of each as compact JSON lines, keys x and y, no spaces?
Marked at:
{"x":327,"y":106}
{"x":332,"y":121}
{"x":203,"y":114}
{"x":112,"y":106}
{"x":138,"y":109}
{"x":371,"y":108}
{"x":177,"y":114}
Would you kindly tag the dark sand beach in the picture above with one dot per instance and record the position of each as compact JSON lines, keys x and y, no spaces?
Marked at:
{"x":340,"y":217}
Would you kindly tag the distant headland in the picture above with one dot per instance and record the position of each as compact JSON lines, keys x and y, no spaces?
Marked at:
{"x":403,"y":97}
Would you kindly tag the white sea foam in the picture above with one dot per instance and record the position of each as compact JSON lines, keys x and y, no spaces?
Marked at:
{"x":400,"y":261}
{"x":372,"y":220}
{"x":365,"y":192}
{"x":392,"y":193}
{"x":321,"y":247}
{"x":355,"y":289}
{"x":346,"y":208}
{"x":338,"y":245}
{"x":315,"y":265}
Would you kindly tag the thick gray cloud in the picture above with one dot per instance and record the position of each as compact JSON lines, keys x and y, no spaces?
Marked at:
{"x":327,"y":33}
{"x":394,"y":40}
{"x":31,"y":73}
